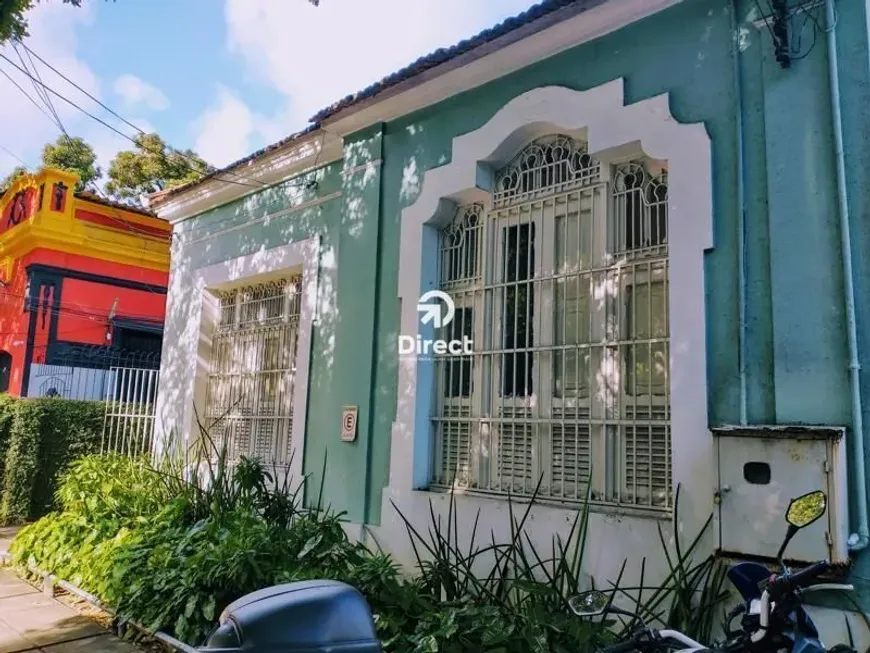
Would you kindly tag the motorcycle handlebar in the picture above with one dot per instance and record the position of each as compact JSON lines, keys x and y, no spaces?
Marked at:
{"x":806,"y":576}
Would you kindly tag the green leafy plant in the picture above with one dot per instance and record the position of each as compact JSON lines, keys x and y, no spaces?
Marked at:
{"x":693,"y":593}
{"x":169,"y":544}
{"x":506,"y":595}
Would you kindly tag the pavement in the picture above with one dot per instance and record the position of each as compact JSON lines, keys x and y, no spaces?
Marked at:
{"x":33,"y":621}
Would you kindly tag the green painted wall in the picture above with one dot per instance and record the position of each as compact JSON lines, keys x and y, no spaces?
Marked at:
{"x":796,"y":339}
{"x":796,"y":343}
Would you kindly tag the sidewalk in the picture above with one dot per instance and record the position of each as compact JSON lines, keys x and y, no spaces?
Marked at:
{"x":32,"y":621}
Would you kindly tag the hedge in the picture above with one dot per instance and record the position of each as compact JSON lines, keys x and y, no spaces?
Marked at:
{"x":38,"y":439}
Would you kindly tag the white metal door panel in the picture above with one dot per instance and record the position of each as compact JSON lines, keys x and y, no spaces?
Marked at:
{"x":752,"y":514}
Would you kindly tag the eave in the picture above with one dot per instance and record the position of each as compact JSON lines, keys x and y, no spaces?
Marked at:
{"x":294,"y":158}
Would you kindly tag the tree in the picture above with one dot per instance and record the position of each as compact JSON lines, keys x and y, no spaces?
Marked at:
{"x":12,"y":22}
{"x":152,"y":167}
{"x":7,"y":181}
{"x":75,"y":155}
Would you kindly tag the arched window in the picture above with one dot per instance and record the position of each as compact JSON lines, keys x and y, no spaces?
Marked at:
{"x":562,"y":285}
{"x":5,"y":370}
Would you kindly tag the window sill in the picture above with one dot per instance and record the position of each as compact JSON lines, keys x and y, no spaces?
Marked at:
{"x":604,"y":509}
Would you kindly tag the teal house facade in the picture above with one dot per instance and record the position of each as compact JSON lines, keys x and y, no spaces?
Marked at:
{"x":604,"y":251}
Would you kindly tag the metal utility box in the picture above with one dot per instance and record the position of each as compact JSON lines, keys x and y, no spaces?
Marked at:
{"x":761,"y":469}
{"x":309,"y":616}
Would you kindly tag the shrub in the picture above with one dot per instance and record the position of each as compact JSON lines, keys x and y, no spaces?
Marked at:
{"x":45,"y":435}
{"x":171,"y":548}
{"x":7,"y":406}
{"x":112,"y":488}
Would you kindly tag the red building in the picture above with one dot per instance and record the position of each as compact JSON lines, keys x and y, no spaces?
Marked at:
{"x":82,"y":287}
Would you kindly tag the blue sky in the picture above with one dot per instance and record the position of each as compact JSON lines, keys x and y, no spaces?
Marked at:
{"x":224,"y":77}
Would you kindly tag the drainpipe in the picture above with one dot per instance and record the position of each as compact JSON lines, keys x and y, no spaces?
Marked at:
{"x":741,"y":216}
{"x":857,"y":541}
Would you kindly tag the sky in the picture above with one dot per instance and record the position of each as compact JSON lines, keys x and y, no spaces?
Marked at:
{"x":223,"y":77}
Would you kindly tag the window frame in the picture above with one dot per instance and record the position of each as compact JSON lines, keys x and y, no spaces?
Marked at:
{"x":608,"y":459}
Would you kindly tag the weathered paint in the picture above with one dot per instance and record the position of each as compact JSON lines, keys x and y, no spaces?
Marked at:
{"x":796,"y":343}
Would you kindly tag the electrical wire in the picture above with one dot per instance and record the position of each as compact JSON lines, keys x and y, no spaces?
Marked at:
{"x":811,"y":10}
{"x":38,"y":88}
{"x":25,"y":94}
{"x":127,"y":122}
{"x":101,"y":121}
{"x":120,"y":219}
{"x":79,"y":310}
{"x":185,"y":156}
{"x":14,"y":156}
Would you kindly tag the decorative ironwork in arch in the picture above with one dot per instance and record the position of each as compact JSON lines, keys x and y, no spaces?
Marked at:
{"x":273,"y":301}
{"x":550,"y":164}
{"x":460,"y":246}
{"x":641,"y":209}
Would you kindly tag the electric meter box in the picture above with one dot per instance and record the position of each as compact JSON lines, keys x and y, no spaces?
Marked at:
{"x":761,"y":469}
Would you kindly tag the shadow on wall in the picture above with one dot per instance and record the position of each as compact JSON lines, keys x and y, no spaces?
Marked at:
{"x":340,"y":211}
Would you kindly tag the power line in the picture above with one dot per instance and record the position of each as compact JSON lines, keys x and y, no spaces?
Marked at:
{"x":120,"y":218}
{"x":103,"y":122}
{"x":256,"y":185}
{"x":23,"y":92}
{"x":183,"y":155}
{"x":74,"y":309}
{"x":124,"y":120}
{"x":14,"y":156}
{"x":40,"y":91}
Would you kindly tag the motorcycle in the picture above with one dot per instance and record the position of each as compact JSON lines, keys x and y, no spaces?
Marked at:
{"x":773,"y":617}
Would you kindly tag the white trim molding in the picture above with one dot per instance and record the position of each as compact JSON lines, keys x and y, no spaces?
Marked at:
{"x":610,"y":128}
{"x":185,"y":239}
{"x":315,"y":149}
{"x":192,"y":312}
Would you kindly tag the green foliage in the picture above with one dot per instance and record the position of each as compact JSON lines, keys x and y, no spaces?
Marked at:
{"x":171,"y":546}
{"x":44,"y":435}
{"x":13,"y":25}
{"x":510,"y":596}
{"x":9,"y":179}
{"x":691,"y":596}
{"x":151,"y":167}
{"x":112,"y":489}
{"x":73,"y":155}
{"x":7,"y":406}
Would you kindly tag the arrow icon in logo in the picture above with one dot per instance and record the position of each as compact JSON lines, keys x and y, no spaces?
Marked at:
{"x":432,"y":311}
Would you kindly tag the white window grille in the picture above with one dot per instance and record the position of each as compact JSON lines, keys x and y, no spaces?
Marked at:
{"x":562,"y":285}
{"x":249,"y":408}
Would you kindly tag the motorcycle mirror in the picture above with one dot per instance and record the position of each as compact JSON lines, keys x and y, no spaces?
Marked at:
{"x":807,"y":509}
{"x":802,"y":512}
{"x":589,"y":604}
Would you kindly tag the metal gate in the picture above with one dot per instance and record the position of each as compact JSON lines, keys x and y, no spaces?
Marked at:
{"x":128,"y":426}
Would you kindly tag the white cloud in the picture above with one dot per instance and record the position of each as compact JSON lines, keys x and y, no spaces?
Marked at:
{"x":136,"y":92}
{"x":225,"y":129}
{"x":317,"y":55}
{"x":53,"y":27}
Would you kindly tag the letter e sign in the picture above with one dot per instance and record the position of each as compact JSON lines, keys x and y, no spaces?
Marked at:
{"x":348,"y":423}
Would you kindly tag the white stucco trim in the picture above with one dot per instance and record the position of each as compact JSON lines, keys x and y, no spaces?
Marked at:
{"x":191,"y":315}
{"x":609,"y":125}
{"x":291,"y":159}
{"x":185,"y":238}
